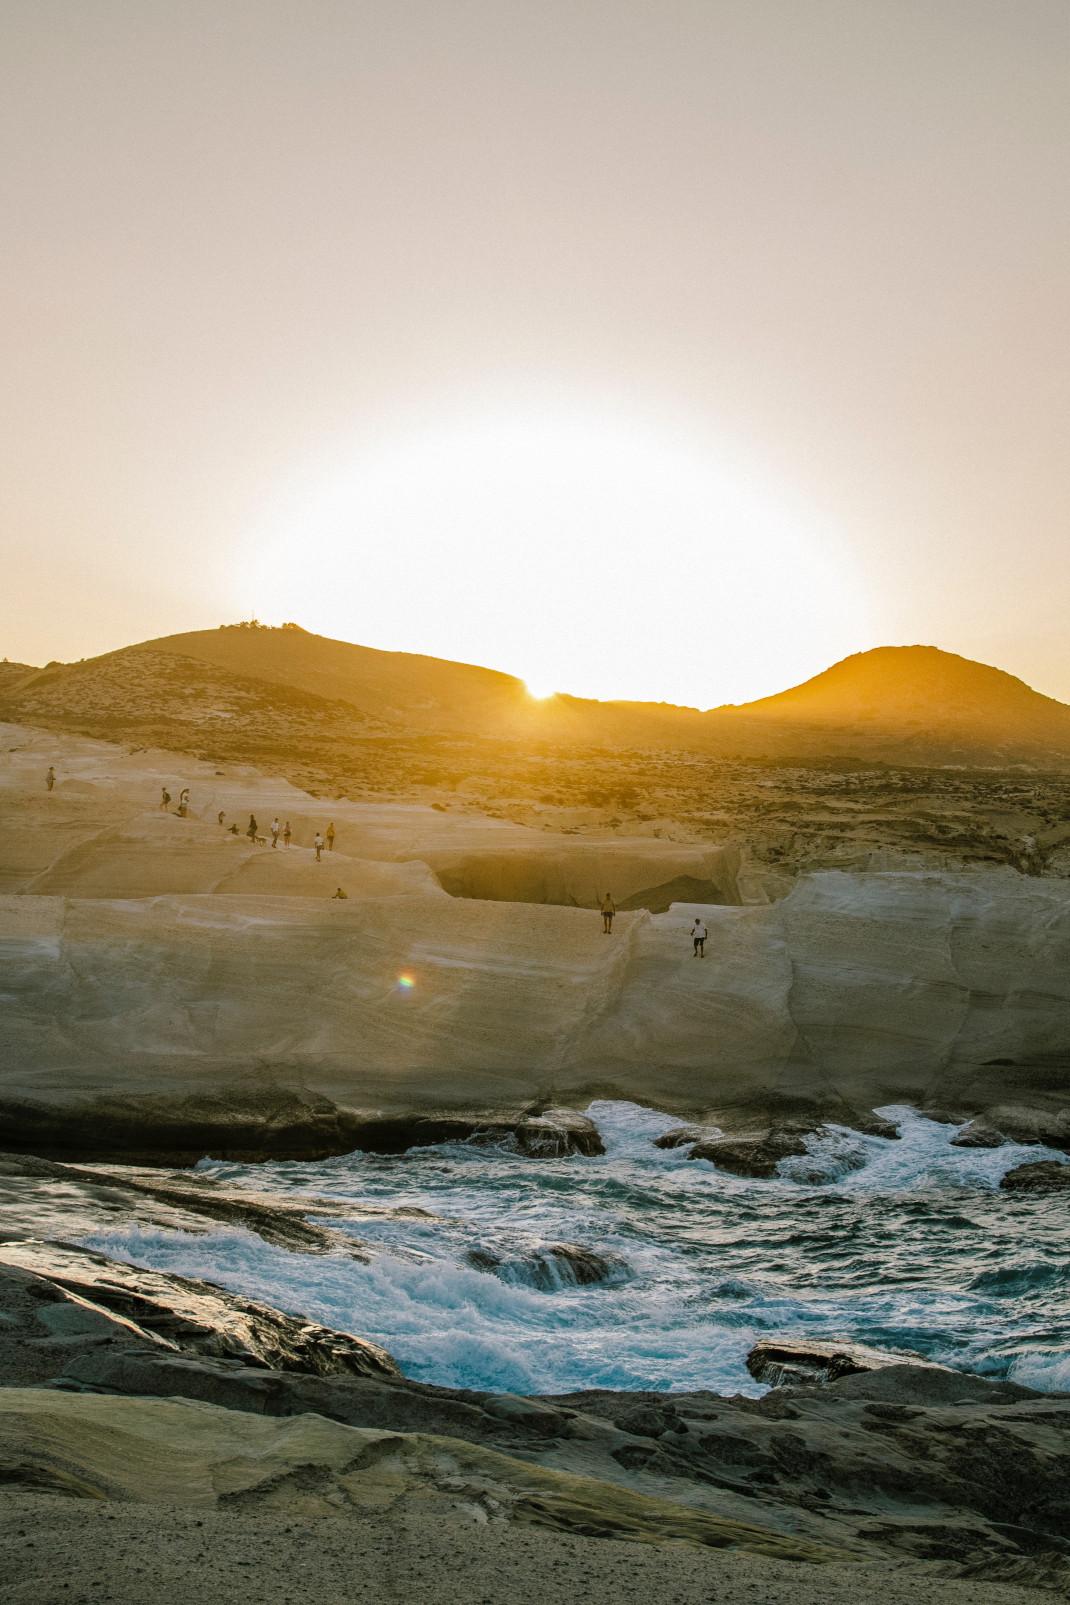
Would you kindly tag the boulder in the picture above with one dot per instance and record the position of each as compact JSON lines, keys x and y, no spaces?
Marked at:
{"x":979,"y":1133}
{"x":1046,"y":1175}
{"x":788,"y":1362}
{"x":549,"y":1267}
{"x":681,"y":1136}
{"x":556,"y":1133}
{"x":756,"y":1156}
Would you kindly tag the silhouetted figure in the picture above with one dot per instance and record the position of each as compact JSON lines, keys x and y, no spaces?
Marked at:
{"x":165,"y":797}
{"x":221,"y":816}
{"x":318,"y":845}
{"x":609,"y":908}
{"x":699,"y":934}
{"x":234,"y":828}
{"x":286,"y":834}
{"x":252,"y":828}
{"x":50,"y":778}
{"x":183,"y":802}
{"x":339,"y":893}
{"x":330,"y":837}
{"x":274,"y":833}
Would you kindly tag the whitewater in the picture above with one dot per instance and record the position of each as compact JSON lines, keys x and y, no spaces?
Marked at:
{"x":902,"y":1244}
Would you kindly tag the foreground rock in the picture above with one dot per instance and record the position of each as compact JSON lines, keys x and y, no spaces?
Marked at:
{"x":79,"y":1291}
{"x":905,"y":1464}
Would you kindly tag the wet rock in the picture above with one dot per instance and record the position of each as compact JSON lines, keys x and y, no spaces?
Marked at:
{"x":979,"y":1133}
{"x":1048,"y":1127}
{"x":872,"y":1125}
{"x":680,"y":1136}
{"x":794,"y":1363}
{"x":756,"y":1156}
{"x":195,"y":1317}
{"x":549,"y":1266}
{"x":555,"y":1133}
{"x":1046,"y":1175}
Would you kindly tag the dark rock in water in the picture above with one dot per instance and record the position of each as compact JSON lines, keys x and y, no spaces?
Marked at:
{"x":549,"y":1266}
{"x":557,"y":1132}
{"x":195,"y":1317}
{"x":790,"y":1363}
{"x":979,"y":1133}
{"x":1046,"y":1175}
{"x":755,"y":1156}
{"x":680,"y":1136}
{"x":872,"y":1125}
{"x":1011,"y":1122}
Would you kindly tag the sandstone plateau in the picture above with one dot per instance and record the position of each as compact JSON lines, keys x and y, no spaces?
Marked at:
{"x":169,"y":987}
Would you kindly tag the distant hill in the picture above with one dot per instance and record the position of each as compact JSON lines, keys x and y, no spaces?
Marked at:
{"x":920,"y":698}
{"x":246,"y":689}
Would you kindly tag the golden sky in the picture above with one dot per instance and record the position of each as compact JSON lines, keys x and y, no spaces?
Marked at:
{"x":665,"y":350}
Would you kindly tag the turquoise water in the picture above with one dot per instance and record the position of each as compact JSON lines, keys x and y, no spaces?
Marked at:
{"x":904,"y":1244}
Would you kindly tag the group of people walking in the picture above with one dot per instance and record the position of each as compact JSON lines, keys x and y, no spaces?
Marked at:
{"x":699,"y":932}
{"x":320,"y":841}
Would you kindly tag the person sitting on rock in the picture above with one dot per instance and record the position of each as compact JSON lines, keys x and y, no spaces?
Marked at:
{"x":609,"y":908}
{"x":339,"y":893}
{"x":275,"y":832}
{"x":251,"y":828}
{"x":234,"y":828}
{"x":330,"y":837}
{"x":699,"y":934}
{"x":318,"y":845}
{"x":50,"y":778}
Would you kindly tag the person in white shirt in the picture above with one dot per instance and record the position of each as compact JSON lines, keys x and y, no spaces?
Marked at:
{"x":318,"y":845}
{"x":699,"y":934}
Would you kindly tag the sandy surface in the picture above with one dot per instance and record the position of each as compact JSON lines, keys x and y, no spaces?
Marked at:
{"x":79,"y":1553}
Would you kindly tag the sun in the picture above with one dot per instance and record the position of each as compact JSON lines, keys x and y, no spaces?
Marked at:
{"x":539,"y":690}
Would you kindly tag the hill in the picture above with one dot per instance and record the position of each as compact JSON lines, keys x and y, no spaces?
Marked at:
{"x":920,"y":698}
{"x":913,"y":705}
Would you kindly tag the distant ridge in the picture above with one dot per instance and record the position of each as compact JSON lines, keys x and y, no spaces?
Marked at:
{"x":905,"y":704}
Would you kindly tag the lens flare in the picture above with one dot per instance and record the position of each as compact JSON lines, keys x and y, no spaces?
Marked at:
{"x":406,"y":982}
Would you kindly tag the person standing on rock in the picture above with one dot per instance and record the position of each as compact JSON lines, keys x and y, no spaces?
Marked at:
{"x":165,"y":797}
{"x":699,"y":934}
{"x":251,"y":828}
{"x":221,"y":816}
{"x":286,"y":834}
{"x":275,"y":832}
{"x":50,"y":778}
{"x":183,"y":802}
{"x":318,"y":845}
{"x":330,"y":837}
{"x":609,"y":908}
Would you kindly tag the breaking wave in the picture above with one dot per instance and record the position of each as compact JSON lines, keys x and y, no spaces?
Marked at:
{"x":645,"y":1269}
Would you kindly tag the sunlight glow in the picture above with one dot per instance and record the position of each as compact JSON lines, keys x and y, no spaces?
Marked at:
{"x":406,"y":982}
{"x":538,"y":690}
{"x":588,"y":549}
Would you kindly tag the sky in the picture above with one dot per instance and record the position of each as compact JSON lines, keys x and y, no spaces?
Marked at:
{"x":668,"y":349}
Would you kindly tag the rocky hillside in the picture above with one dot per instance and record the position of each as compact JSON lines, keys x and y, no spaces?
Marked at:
{"x":899,"y":705}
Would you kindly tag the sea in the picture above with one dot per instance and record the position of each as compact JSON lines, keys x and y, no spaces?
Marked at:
{"x":906,"y":1244}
